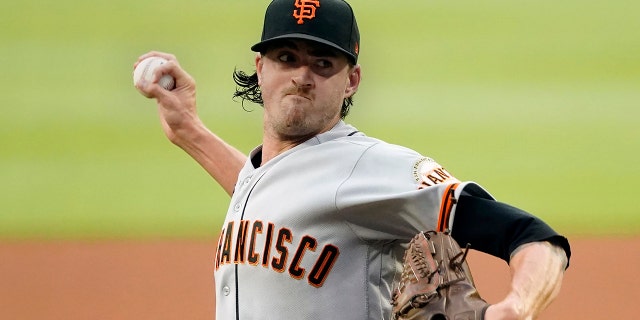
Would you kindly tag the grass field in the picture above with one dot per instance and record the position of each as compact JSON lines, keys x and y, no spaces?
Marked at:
{"x":538,"y":101}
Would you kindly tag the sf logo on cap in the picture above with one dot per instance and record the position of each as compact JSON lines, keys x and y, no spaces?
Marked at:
{"x":305,"y":9}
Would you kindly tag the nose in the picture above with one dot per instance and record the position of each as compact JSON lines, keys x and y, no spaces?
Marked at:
{"x":302,"y":77}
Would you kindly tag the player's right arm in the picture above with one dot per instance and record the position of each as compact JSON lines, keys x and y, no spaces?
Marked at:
{"x":184,"y":128}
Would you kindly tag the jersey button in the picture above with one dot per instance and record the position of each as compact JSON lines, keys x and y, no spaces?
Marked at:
{"x":226,"y":291}
{"x":237,"y":206}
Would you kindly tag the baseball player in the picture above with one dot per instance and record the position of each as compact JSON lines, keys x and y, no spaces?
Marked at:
{"x":320,"y":213}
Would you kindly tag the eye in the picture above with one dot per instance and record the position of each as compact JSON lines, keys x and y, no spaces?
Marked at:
{"x":286,"y":57}
{"x":323,"y":63}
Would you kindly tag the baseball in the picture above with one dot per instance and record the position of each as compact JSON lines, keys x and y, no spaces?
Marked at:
{"x":144,"y":71}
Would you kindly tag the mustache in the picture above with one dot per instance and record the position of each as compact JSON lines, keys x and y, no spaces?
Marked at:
{"x":298,"y":91}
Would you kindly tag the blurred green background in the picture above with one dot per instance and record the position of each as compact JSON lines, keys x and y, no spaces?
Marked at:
{"x":536,"y":100}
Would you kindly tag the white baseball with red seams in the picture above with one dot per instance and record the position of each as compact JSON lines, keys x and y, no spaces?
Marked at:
{"x":145,"y":70}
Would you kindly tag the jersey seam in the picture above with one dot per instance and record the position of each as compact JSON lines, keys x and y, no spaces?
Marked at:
{"x":335,"y":196}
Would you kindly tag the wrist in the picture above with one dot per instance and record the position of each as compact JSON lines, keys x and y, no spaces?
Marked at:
{"x":509,"y":308}
{"x":189,"y":131}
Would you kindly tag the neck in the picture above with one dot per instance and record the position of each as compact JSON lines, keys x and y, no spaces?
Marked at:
{"x":272,"y":147}
{"x":273,"y":144}
{"x":271,"y":150}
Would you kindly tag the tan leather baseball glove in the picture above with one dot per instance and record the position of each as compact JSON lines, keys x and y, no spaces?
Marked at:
{"x":436,"y":282}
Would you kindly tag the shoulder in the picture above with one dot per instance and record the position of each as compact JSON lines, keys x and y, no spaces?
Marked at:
{"x":389,"y":163}
{"x":375,"y":148}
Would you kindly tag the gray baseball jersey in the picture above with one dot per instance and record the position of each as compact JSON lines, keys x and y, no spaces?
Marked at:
{"x":319,"y":231}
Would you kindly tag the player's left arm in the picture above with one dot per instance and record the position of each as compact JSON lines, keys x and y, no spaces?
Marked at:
{"x":536,"y":254}
{"x":537,"y":270}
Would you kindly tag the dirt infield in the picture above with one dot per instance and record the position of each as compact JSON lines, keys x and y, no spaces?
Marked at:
{"x":173,"y":280}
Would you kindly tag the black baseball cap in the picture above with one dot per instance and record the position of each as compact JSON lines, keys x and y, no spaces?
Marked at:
{"x":330,"y":22}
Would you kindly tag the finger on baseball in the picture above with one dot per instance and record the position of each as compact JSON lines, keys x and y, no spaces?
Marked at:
{"x":172,"y":68}
{"x":181,"y":78}
{"x":151,"y":90}
{"x":165,"y":55}
{"x":146,"y":88}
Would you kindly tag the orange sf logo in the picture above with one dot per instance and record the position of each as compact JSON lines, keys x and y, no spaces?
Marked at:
{"x":305,"y":9}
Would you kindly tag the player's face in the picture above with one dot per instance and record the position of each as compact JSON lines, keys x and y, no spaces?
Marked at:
{"x":303,"y":85}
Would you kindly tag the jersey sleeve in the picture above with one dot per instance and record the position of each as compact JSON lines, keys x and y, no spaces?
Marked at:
{"x":498,"y":229}
{"x":393,"y":192}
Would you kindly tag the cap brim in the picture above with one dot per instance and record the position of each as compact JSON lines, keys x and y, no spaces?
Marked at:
{"x":262,"y":45}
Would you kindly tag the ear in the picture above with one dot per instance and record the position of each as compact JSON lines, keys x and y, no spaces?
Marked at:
{"x":353,"y":81}
{"x":259,"y":68}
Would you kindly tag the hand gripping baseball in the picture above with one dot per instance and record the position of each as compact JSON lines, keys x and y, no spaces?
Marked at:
{"x":177,"y":107}
{"x":436,"y":282}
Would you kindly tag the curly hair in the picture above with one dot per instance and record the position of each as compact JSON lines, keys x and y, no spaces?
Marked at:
{"x":247,"y":88}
